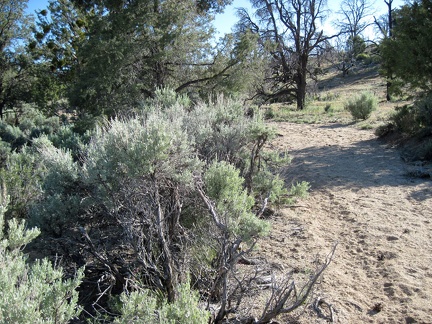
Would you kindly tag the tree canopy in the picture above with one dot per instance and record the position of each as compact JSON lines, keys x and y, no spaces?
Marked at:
{"x":14,"y":64}
{"x":290,"y":34}
{"x":113,"y":55}
{"x":105,"y":57}
{"x":407,"y":58}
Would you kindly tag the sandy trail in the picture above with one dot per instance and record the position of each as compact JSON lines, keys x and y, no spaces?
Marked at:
{"x":362,"y":197}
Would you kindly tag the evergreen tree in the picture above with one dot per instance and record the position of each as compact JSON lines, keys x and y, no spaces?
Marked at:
{"x":14,"y":76}
{"x":109,"y":56}
{"x":407,"y":59}
{"x":289,"y":34}
{"x":58,"y":35}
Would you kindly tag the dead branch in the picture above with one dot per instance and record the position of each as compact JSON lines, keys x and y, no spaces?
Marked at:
{"x":287,"y":291}
{"x":264,"y":206}
{"x":92,"y":249}
{"x":211,"y":209}
{"x":317,"y":307}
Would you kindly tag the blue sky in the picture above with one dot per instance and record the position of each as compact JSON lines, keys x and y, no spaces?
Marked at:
{"x":225,"y":21}
{"x":36,"y":5}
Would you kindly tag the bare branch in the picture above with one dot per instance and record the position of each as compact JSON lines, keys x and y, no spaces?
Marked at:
{"x":289,"y":33}
{"x":287,"y":291}
{"x":200,"y":80}
{"x":355,"y":13}
{"x":211,"y":209}
{"x":101,"y":258}
{"x":317,"y":307}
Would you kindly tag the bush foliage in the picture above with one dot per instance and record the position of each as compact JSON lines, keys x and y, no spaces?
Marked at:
{"x":361,"y":107}
{"x":32,"y":293}
{"x":163,"y":182}
{"x":414,"y":119}
{"x":147,"y":307}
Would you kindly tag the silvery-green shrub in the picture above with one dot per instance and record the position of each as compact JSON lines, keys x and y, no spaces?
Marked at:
{"x":32,"y":292}
{"x":362,"y":106}
{"x":224,"y":185}
{"x":147,"y":307}
{"x":21,"y":173}
{"x":62,"y":189}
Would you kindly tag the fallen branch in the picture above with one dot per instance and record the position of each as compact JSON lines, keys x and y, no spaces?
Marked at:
{"x":92,"y":249}
{"x":320,"y":302}
{"x":287,"y":291}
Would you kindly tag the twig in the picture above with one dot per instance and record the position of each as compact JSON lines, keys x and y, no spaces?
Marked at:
{"x":288,"y":291}
{"x":212,"y":209}
{"x":101,"y":258}
{"x":316,"y":306}
{"x":298,"y":206}
{"x":264,"y":206}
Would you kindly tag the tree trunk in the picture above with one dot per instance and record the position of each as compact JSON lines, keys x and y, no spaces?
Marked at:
{"x":167,"y":260}
{"x":388,"y":85}
{"x":301,"y":93}
{"x":301,"y":81}
{"x":390,"y":27}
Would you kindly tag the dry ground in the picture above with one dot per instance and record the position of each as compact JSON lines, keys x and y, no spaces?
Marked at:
{"x":364,"y":197}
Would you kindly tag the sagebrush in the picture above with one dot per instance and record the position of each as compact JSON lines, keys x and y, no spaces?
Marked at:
{"x":361,"y":107}
{"x":32,"y":292}
{"x":161,"y":183}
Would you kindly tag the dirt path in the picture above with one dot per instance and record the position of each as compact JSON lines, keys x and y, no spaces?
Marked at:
{"x":362,"y":197}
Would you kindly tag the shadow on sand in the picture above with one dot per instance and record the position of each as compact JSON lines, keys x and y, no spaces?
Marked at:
{"x":361,"y":165}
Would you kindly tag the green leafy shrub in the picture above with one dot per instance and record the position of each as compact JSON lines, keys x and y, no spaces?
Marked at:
{"x":300,"y":189}
{"x":384,"y":130}
{"x":138,"y":148}
{"x":12,"y":135}
{"x":413,"y":119}
{"x":225,"y":186}
{"x":45,"y":126}
{"x":162,"y":182}
{"x":219,"y":130}
{"x":85,"y":123}
{"x":364,"y":58}
{"x":22,"y":175}
{"x":146,"y":307}
{"x":139,"y":173}
{"x":272,"y":188}
{"x":279,"y":194}
{"x":405,"y":119}
{"x":167,"y":98}
{"x":424,"y":112}
{"x":33,"y":123}
{"x":32,"y":293}
{"x":5,"y":151}
{"x":62,"y":187}
{"x":269,"y":113}
{"x":327,"y":96}
{"x":361,"y":107}
{"x":66,"y":138}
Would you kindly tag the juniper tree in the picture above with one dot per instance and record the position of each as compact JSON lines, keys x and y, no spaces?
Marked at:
{"x":406,"y":55}
{"x":289,"y":33}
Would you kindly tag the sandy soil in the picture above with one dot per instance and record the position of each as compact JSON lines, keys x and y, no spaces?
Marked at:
{"x":363,"y":197}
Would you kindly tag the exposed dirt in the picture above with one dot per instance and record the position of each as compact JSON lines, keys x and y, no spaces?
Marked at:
{"x":366,"y":198}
